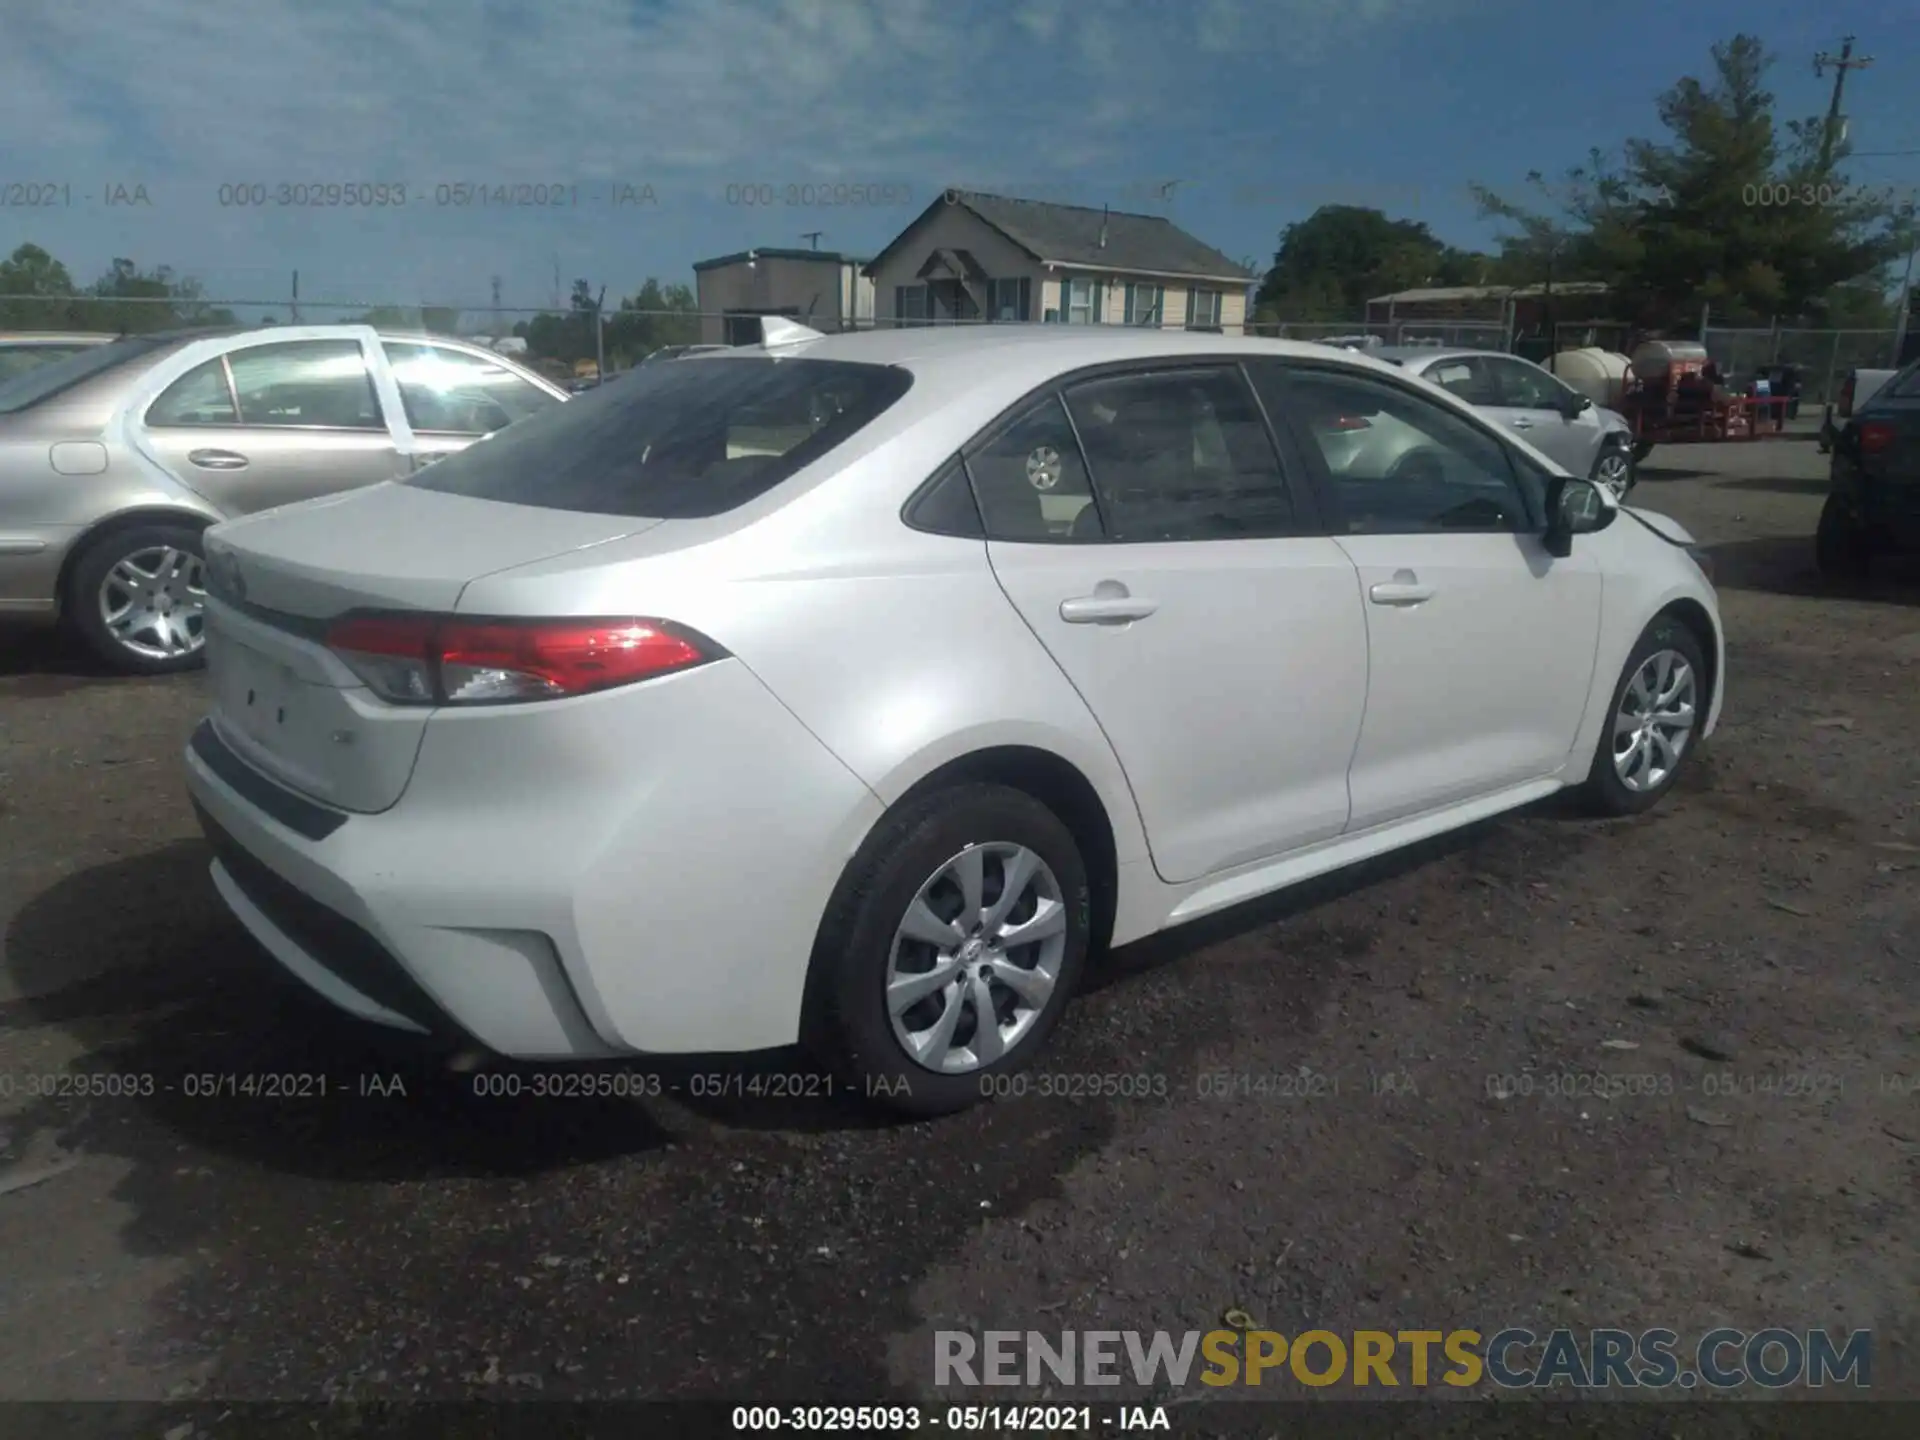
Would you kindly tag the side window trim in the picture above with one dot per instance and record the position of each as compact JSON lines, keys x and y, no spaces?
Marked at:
{"x":1289,"y":367}
{"x":951,"y":471}
{"x":147,"y":422}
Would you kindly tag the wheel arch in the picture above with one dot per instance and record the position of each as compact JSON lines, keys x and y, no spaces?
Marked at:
{"x":122,"y":520}
{"x":1693,"y":615}
{"x":1047,"y":777}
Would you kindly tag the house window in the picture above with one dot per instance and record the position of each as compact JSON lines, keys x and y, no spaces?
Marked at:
{"x":1081,"y":308}
{"x":1203,"y":309}
{"x":1145,"y":304}
{"x":1009,"y":300}
{"x":910,"y":304}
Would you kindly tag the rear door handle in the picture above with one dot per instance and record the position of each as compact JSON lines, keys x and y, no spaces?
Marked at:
{"x":1404,"y":589}
{"x":217,"y":459}
{"x":1106,"y":609}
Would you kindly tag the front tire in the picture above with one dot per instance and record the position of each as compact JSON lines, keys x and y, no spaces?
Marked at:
{"x":1841,"y":548}
{"x":1652,"y":726}
{"x":138,"y":597}
{"x":950,"y":948}
{"x":1613,"y":468}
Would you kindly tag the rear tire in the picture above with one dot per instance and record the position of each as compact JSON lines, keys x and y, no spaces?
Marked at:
{"x":1841,"y":548}
{"x":1643,"y":744}
{"x":863,"y":949}
{"x":137,"y":597}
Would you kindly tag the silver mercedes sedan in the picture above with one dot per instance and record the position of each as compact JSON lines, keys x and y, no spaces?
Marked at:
{"x":116,"y":457}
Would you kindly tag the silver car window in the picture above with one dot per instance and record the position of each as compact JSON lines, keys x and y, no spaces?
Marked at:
{"x":199,"y":397}
{"x":307,"y":384}
{"x":447,"y":391}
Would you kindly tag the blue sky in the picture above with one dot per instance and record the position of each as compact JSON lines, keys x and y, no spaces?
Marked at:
{"x":1263,"y":108}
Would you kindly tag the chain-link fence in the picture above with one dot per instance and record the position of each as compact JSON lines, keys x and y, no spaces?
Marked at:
{"x":1823,"y":357}
{"x":1461,"y":334}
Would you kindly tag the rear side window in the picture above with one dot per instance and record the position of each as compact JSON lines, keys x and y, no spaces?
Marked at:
{"x":675,"y":442}
{"x":43,"y":382}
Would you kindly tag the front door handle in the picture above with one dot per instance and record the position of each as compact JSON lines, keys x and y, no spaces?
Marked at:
{"x":1110,"y":604}
{"x":217,"y":459}
{"x":1404,"y":589}
{"x":1520,"y":422}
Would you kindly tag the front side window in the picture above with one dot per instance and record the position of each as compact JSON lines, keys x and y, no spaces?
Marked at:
{"x":1031,"y":480}
{"x":1145,"y":304}
{"x":1397,"y":463}
{"x":675,"y":442}
{"x":449,"y":392}
{"x":308,"y":384}
{"x":1527,"y":387}
{"x":1181,"y":455}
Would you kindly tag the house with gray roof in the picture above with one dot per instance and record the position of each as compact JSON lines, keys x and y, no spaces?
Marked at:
{"x":975,"y":257}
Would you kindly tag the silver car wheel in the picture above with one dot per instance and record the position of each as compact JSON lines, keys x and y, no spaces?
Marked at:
{"x":976,"y":957}
{"x":154,"y":602}
{"x":1654,"y":724}
{"x":1044,"y":468}
{"x":1615,"y":472}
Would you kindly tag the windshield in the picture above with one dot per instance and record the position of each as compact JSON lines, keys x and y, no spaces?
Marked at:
{"x":675,"y":442}
{"x":43,"y":382}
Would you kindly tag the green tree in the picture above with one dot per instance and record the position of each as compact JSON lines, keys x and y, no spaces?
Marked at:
{"x":32,"y":271}
{"x":148,"y":300}
{"x":1330,"y":264}
{"x":1733,"y":209}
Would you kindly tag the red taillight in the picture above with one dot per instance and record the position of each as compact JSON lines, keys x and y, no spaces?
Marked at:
{"x":1846,"y":398}
{"x":1875,"y":436}
{"x":448,"y":660}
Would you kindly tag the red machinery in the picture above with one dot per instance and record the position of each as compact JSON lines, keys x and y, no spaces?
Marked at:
{"x":1673,"y":393}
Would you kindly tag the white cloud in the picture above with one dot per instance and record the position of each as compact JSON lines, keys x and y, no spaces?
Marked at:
{"x":687,"y":95}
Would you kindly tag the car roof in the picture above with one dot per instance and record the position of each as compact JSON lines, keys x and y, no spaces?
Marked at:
{"x":56,"y":337}
{"x":1438,"y":352}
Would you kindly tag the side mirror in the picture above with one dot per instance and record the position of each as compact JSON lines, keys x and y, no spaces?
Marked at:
{"x":1576,"y":405}
{"x":1574,"y":507}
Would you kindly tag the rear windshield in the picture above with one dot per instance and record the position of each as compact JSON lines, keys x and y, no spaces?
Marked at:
{"x":43,"y":382}
{"x":674,"y":442}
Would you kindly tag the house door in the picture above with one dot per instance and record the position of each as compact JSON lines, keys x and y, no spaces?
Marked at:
{"x":951,"y":302}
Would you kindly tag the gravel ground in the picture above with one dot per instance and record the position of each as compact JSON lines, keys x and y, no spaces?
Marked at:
{"x":420,"y":1241}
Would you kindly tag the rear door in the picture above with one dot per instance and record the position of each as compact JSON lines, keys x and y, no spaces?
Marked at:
{"x":451,"y":396}
{"x":1481,"y":645}
{"x":256,"y":421}
{"x":1179,"y":577}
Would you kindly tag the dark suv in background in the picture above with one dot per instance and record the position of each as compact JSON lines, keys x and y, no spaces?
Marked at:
{"x":1873,"y":507}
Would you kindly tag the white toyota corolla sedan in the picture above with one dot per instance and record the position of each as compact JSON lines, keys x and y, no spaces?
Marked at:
{"x":861,"y":690}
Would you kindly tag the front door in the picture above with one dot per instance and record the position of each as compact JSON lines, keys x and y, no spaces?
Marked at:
{"x":1535,"y":405}
{"x":1481,"y":645}
{"x":259,"y":424}
{"x":1175,"y":576}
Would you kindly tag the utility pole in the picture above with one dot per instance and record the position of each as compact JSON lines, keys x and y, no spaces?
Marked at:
{"x":599,"y":336}
{"x":496,"y":307}
{"x":556,"y":280}
{"x":1840,"y":65}
{"x":296,"y":297}
{"x":812,"y":235}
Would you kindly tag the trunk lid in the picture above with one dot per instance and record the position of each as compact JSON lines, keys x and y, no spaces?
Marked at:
{"x":286,"y":703}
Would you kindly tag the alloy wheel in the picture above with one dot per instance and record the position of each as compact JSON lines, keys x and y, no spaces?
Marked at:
{"x":1654,"y":724}
{"x":154,"y":601}
{"x":1615,"y":472}
{"x":976,"y":957}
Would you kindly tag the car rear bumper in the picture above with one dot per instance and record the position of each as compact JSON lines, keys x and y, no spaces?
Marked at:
{"x":637,"y":872}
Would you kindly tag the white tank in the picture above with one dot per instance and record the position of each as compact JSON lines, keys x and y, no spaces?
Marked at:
{"x":1655,"y":358}
{"x":1600,"y":375}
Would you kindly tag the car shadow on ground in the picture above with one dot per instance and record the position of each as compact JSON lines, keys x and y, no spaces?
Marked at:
{"x":1657,"y":473}
{"x":1779,"y":484}
{"x":40,"y":664}
{"x":1783,"y":565}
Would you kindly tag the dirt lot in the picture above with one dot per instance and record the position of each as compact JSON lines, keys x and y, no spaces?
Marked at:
{"x":1761,"y":928}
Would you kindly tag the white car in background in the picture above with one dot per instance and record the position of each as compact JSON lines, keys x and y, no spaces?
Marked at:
{"x":860,"y":690}
{"x":1586,"y":439}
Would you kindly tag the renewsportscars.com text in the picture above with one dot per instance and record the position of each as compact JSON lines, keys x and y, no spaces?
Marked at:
{"x":1512,"y":1358}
